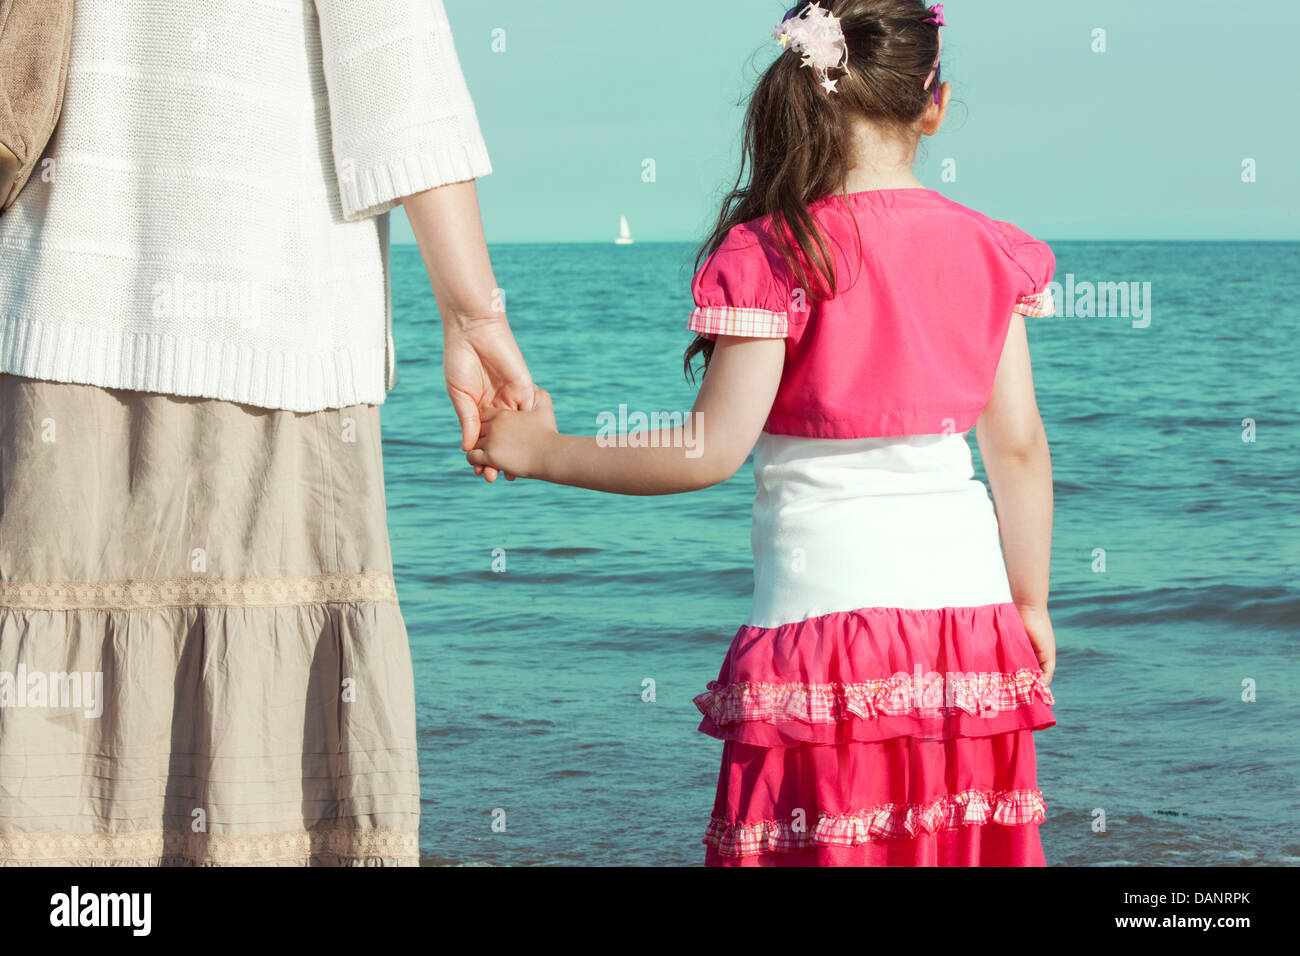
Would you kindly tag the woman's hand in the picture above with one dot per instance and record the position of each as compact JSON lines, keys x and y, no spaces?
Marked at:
{"x":482,"y":363}
{"x":517,"y":442}
{"x":484,"y":370}
{"x":1039,"y":625}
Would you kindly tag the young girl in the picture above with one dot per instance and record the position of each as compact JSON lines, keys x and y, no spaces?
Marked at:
{"x":877,"y":707}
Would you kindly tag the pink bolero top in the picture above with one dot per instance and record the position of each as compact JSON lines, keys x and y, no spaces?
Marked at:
{"x":910,"y":344}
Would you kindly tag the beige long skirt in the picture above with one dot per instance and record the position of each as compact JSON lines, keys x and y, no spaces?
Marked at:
{"x":202,"y":658}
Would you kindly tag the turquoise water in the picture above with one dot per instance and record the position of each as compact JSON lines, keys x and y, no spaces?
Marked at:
{"x":531,"y":683}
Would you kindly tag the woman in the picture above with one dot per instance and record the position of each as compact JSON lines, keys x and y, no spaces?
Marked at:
{"x":202,"y":659}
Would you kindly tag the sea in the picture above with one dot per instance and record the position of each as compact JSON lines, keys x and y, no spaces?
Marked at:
{"x":558,"y":635}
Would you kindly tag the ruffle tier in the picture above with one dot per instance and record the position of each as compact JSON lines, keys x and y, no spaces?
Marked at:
{"x":201,"y":736}
{"x":876,"y":674}
{"x":890,"y":821}
{"x":882,"y":736}
{"x":900,"y":802}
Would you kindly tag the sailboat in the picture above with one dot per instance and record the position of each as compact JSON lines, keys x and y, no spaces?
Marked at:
{"x":624,"y":233}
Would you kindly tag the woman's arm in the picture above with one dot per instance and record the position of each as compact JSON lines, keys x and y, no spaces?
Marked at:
{"x":728,"y":417}
{"x":480,"y":358}
{"x":1013,"y":444}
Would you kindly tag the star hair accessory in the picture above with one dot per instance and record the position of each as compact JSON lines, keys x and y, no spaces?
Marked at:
{"x":936,"y":20}
{"x":816,"y":35}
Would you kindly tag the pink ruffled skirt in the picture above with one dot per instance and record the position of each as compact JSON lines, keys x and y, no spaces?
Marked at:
{"x":878,"y":707}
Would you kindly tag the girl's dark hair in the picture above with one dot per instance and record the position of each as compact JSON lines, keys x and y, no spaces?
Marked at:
{"x":798,"y":137}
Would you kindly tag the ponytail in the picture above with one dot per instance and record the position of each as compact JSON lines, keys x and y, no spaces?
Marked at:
{"x":797,"y":138}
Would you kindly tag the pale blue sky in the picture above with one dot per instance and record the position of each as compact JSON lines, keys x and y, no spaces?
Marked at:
{"x":1145,"y":140}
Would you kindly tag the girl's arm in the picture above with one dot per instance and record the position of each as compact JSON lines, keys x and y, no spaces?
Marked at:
{"x":728,"y":417}
{"x":1013,"y":444}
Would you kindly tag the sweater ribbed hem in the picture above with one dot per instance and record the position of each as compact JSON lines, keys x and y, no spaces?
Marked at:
{"x":376,"y":189}
{"x":180,"y":365}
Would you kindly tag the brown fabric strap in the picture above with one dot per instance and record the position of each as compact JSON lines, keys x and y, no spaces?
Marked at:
{"x":9,"y":168}
{"x":35,"y":41}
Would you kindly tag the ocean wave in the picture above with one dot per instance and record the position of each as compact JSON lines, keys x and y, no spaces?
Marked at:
{"x":1260,"y":608}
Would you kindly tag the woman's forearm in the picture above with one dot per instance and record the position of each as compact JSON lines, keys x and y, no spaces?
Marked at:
{"x":676,"y":466}
{"x":1022,"y":492}
{"x":448,"y":227}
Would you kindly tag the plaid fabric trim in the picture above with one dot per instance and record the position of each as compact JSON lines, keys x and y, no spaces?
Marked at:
{"x":1038,"y":306}
{"x":751,"y":323}
{"x":930,"y":695}
{"x":890,"y":821}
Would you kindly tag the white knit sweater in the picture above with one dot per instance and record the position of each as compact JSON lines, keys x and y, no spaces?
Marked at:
{"x":206,"y":221}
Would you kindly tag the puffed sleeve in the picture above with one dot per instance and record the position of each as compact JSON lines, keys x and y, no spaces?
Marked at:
{"x":1036,"y":265}
{"x":401,"y":117}
{"x":737,"y":293}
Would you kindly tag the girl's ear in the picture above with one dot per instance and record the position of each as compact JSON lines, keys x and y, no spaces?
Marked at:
{"x":932,"y":121}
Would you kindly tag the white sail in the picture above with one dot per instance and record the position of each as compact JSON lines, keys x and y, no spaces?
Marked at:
{"x":624,"y":233}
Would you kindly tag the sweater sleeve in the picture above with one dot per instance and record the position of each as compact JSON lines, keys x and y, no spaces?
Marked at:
{"x":401,"y":117}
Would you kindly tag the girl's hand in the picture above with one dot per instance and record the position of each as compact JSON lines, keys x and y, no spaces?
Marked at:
{"x":1039,"y":625}
{"x":516,"y":442}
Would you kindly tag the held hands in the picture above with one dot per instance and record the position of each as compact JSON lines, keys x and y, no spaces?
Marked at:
{"x":484,"y":369}
{"x":516,"y":443}
{"x":504,"y":417}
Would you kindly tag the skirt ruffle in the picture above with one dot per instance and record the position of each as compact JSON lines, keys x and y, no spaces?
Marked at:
{"x":879,"y":737}
{"x":876,"y":674}
{"x":208,"y":736}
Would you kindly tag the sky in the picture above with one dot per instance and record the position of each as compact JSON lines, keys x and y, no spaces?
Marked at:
{"x":1146,"y":140}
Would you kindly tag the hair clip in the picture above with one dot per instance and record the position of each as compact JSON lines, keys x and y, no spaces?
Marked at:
{"x":817,"y":36}
{"x":936,"y":20}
